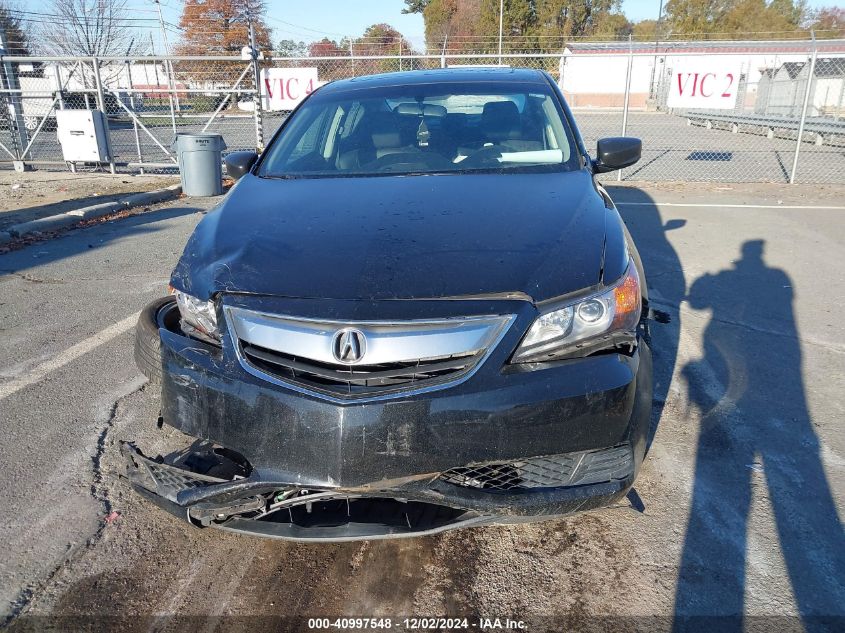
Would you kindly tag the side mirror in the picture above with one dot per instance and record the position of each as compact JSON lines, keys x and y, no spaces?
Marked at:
{"x":616,"y":152}
{"x":239,"y":163}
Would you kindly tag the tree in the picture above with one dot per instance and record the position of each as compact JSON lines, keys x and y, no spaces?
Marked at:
{"x":691,"y":18}
{"x":328,"y":69}
{"x":326,"y":48}
{"x":646,"y":30}
{"x":291,"y":48}
{"x":415,"y":6}
{"x":828,"y":22}
{"x":791,"y":12}
{"x":381,"y":39}
{"x":612,"y":26}
{"x":527,"y":25}
{"x":571,"y":18}
{"x":90,"y":28}
{"x":218,"y":27}
{"x":14,"y":36}
{"x":221,"y":27}
{"x":756,"y":19}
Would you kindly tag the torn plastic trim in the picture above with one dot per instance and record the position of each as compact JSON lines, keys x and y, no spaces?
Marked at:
{"x":427,"y":489}
{"x":341,"y":515}
{"x":163,"y":478}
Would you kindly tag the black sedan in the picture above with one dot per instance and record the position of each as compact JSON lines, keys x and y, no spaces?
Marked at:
{"x":416,"y":310}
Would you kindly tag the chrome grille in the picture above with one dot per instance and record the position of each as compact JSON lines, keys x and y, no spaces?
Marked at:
{"x":551,"y":471}
{"x":396,"y":356}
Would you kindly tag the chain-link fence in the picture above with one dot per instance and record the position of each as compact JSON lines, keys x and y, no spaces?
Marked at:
{"x":785,"y":121}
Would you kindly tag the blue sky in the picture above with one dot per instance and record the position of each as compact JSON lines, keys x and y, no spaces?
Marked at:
{"x":309,"y":20}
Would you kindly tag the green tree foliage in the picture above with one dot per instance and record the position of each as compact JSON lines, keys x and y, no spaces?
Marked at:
{"x":291,"y":48}
{"x":381,"y":39}
{"x":473,"y":25}
{"x":645,"y":30}
{"x":465,"y":26}
{"x":749,"y":18}
{"x":415,"y":6}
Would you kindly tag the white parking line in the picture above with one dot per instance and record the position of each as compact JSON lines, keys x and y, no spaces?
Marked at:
{"x":726,"y":206}
{"x":69,"y":355}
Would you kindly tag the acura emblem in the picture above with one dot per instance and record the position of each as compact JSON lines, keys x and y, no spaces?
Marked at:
{"x":349,"y":346}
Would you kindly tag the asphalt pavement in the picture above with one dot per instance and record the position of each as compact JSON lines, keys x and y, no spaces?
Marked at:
{"x":744,"y":488}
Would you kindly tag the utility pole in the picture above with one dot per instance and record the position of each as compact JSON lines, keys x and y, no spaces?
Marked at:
{"x":501,"y":20}
{"x":168,"y":63}
{"x":256,"y":71}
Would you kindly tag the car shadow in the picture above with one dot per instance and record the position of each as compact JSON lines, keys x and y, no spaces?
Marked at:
{"x":666,"y":285}
{"x":756,"y":438}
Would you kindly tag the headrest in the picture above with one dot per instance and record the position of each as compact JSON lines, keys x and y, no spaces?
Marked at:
{"x":384,"y":131}
{"x":500,"y":118}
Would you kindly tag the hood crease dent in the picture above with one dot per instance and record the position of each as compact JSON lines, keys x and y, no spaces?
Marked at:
{"x":523,"y":236}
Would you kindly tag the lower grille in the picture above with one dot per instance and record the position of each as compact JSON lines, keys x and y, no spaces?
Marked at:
{"x":551,"y":471}
{"x":165,"y":479}
{"x":359,"y":380}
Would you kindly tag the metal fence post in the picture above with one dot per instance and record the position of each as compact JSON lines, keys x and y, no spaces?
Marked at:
{"x":256,"y":71}
{"x":258,"y":113}
{"x":101,"y":102}
{"x":808,"y":88}
{"x":15,"y":105}
{"x":627,"y":95}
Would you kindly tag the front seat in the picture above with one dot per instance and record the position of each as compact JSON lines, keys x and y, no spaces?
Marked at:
{"x":378,"y":136}
{"x":500,"y":121}
{"x":386,"y":135}
{"x":501,"y":124}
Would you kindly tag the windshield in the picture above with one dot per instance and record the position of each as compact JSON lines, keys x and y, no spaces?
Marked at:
{"x":429,"y":128}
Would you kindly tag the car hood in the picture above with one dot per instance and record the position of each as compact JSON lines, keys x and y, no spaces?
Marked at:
{"x":400,"y":237}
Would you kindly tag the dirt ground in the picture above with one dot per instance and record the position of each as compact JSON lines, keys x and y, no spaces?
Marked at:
{"x":33,"y":195}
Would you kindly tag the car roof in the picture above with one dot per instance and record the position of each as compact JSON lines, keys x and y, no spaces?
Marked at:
{"x":438,"y":75}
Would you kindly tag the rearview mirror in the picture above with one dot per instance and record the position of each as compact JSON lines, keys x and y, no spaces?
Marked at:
{"x":239,"y":163}
{"x":616,"y":152}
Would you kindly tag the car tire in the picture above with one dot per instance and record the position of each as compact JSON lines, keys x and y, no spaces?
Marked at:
{"x":147,"y":339}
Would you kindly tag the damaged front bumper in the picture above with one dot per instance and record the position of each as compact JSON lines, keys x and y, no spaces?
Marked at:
{"x":474,"y":495}
{"x":509,"y":445}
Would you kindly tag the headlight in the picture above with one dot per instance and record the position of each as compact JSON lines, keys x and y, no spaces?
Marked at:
{"x":198,"y":315}
{"x":584,"y":323}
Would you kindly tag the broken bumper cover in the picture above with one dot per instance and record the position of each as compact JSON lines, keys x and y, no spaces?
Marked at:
{"x":468,"y":496}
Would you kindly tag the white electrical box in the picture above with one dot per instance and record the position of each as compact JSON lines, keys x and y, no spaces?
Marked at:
{"x":83,"y":136}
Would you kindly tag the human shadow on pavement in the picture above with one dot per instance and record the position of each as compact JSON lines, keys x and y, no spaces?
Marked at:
{"x":756,"y":437}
